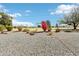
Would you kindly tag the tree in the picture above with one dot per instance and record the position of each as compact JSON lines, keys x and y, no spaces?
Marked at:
{"x":5,"y":19}
{"x":57,"y":25}
{"x":49,"y":25}
{"x":38,"y":24}
{"x":72,"y":18}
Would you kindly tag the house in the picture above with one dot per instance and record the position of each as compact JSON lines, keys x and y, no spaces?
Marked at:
{"x":19,"y":23}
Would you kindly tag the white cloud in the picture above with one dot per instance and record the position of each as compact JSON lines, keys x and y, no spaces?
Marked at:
{"x":63,"y":9}
{"x":15,"y":14}
{"x":28,"y":11}
{"x":18,"y":14}
{"x":3,"y":9}
{"x":17,"y":23}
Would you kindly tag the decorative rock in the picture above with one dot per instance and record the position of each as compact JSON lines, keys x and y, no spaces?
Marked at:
{"x":31,"y":33}
{"x":49,"y":33}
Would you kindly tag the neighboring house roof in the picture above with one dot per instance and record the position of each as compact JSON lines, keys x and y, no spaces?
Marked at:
{"x":17,"y":23}
{"x":63,"y":25}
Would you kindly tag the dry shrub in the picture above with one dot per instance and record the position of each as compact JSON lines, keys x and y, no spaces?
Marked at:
{"x":68,"y":30}
{"x":35,"y":31}
{"x":57,"y":30}
{"x":26,"y":30}
{"x":19,"y":28}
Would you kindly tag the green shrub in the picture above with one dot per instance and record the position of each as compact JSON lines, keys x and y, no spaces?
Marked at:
{"x":2,"y":28}
{"x":52,"y":26}
{"x":14,"y":27}
{"x":19,"y":28}
{"x":9,"y":28}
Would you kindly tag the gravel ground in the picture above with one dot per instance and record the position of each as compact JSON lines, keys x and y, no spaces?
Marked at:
{"x":22,"y":44}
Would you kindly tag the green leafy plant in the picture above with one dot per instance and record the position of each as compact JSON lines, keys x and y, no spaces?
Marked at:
{"x":9,"y":28}
{"x":5,"y":19}
{"x":2,"y":28}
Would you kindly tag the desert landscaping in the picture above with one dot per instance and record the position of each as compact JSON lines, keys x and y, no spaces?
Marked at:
{"x":40,"y":44}
{"x":40,"y":34}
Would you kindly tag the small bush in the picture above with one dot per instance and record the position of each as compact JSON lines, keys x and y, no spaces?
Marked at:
{"x":19,"y":28}
{"x":57,"y":30}
{"x":26,"y":30}
{"x":2,"y":28}
{"x":9,"y":28}
{"x":14,"y":27}
{"x":68,"y":30}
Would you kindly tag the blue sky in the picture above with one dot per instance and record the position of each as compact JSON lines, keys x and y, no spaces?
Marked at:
{"x":34,"y":13}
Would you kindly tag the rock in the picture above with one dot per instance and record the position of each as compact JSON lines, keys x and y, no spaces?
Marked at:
{"x":31,"y":33}
{"x":49,"y":33}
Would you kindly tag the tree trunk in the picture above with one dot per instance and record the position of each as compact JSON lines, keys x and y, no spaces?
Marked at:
{"x":74,"y":25}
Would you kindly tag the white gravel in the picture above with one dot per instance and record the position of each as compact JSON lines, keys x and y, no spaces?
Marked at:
{"x":22,"y":44}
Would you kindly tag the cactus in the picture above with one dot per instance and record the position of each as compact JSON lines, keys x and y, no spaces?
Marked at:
{"x":44,"y":25}
{"x":57,"y":28}
{"x":49,"y":25}
{"x":56,"y":25}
